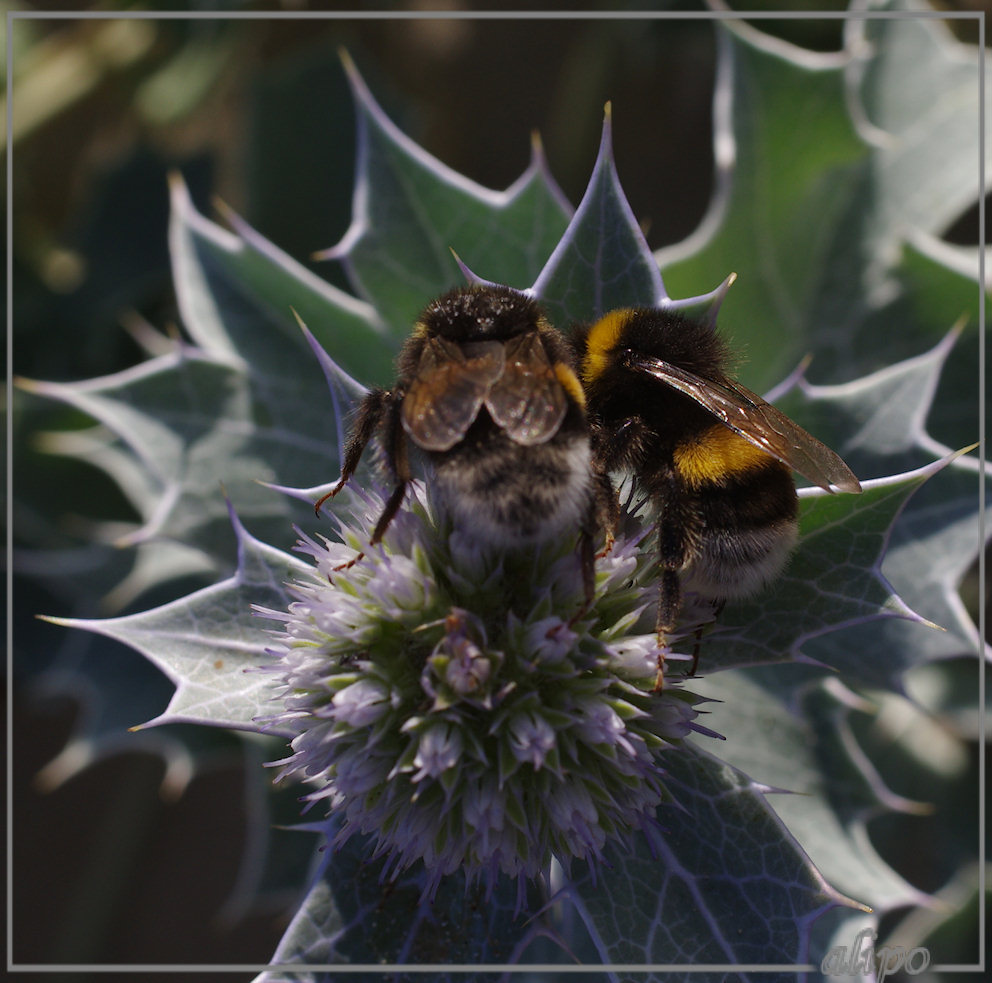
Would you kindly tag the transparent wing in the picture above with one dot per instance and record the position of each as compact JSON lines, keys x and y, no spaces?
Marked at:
{"x":756,"y":421}
{"x":527,"y":400}
{"x":444,"y":398}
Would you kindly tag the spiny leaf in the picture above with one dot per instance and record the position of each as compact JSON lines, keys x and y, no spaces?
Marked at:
{"x":791,"y":733}
{"x":410,"y":211}
{"x":237,"y":292}
{"x":209,"y":642}
{"x":351,"y":916}
{"x":602,"y":262}
{"x":191,"y":419}
{"x":878,"y":422}
{"x":794,"y":151}
{"x":833,"y":580}
{"x":918,"y":92}
{"x":721,"y":883}
{"x":932,"y":546}
{"x":192,"y":423}
{"x":814,"y":217}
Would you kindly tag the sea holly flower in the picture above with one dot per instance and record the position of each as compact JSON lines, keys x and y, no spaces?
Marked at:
{"x":424,"y":722}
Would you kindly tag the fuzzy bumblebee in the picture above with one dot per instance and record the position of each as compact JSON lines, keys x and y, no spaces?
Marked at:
{"x":486,"y":389}
{"x":714,"y":458}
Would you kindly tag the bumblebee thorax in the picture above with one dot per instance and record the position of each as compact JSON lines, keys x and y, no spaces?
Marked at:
{"x":480,"y":314}
{"x":685,"y":342}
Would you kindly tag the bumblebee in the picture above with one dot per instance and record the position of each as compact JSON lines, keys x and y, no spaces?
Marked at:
{"x":714,"y":458}
{"x":486,"y":389}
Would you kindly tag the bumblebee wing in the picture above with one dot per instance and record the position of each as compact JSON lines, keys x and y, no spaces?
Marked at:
{"x":756,"y":421}
{"x":527,"y":400}
{"x":444,"y":398}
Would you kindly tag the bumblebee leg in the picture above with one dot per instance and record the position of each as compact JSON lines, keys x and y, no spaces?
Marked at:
{"x":378,"y":410}
{"x":697,"y":644}
{"x":718,"y":607}
{"x":587,"y":560}
{"x":591,"y":525}
{"x":619,"y":448}
{"x":399,"y":463}
{"x":371,"y":412}
{"x":669,"y":602}
{"x":588,"y":556}
{"x":659,"y":679}
{"x":607,"y":509}
{"x":388,"y":513}
{"x":678,"y":525}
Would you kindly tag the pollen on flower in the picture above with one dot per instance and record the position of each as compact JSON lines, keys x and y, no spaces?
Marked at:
{"x":460,"y":728}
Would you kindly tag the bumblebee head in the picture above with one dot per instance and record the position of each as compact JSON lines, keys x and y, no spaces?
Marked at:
{"x":491,"y":313}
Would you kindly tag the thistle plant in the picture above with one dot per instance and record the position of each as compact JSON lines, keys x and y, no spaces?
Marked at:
{"x":480,"y":754}
{"x":429,"y":714}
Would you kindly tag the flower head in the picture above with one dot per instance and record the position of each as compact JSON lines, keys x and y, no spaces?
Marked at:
{"x":466,"y":707}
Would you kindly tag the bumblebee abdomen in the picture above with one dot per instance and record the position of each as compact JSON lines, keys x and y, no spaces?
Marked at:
{"x":504,"y":493}
{"x":747,"y":529}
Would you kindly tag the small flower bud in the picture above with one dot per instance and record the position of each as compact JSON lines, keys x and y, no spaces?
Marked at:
{"x":439,"y":749}
{"x":362,"y":703}
{"x":531,"y":738}
{"x":551,"y":639}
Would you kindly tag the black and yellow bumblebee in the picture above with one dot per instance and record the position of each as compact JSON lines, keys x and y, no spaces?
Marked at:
{"x":714,"y":458}
{"x":486,"y":388}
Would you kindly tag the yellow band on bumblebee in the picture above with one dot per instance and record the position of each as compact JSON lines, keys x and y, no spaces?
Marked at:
{"x":570,"y":383}
{"x":602,"y":339}
{"x":715,"y":454}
